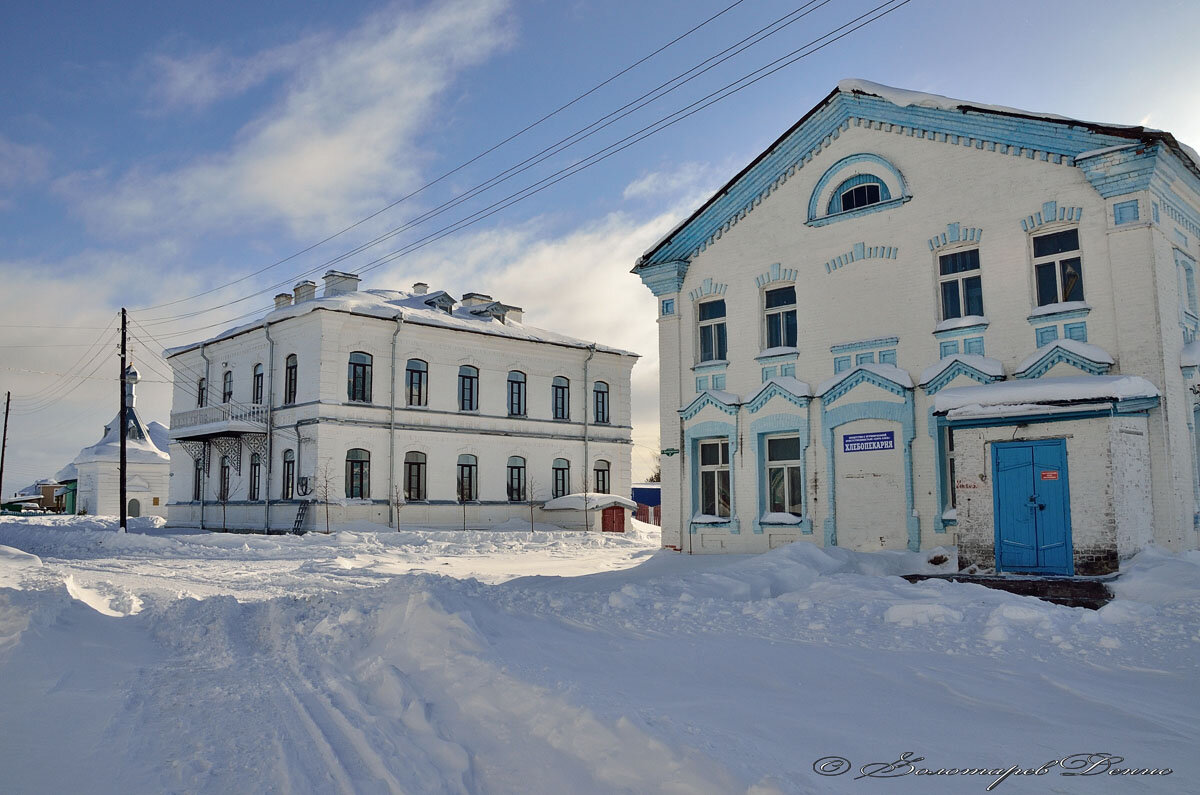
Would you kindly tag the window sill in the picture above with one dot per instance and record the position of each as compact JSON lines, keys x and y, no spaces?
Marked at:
{"x":961,"y":326}
{"x":780,"y":520}
{"x":709,"y":519}
{"x":777,"y":354}
{"x":712,"y":364}
{"x":858,"y":211}
{"x":1060,"y":311}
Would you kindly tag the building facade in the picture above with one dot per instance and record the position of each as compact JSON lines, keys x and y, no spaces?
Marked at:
{"x":914,"y":321}
{"x":394,"y":408}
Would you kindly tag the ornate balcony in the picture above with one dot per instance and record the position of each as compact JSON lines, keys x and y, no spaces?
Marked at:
{"x":223,"y":419}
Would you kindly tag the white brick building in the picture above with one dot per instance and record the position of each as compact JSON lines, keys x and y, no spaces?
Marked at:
{"x":395,"y":407}
{"x":914,"y":322}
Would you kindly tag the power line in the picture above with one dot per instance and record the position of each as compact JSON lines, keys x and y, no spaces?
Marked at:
{"x":602,"y":154}
{"x":544,"y":154}
{"x":461,"y":166}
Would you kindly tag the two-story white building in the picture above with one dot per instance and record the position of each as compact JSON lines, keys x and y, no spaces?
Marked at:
{"x":393,"y":407}
{"x":916,"y":321}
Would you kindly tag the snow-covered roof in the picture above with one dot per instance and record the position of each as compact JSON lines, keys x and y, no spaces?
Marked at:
{"x":35,"y":489}
{"x":983,"y":364}
{"x":141,"y":446}
{"x":593,"y":502}
{"x":417,"y":308}
{"x":886,"y":371}
{"x":68,"y":473}
{"x":1040,"y":392}
{"x":1093,"y":353}
{"x":789,"y":384}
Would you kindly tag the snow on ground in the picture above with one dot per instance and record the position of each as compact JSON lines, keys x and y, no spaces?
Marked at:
{"x":164,"y":662}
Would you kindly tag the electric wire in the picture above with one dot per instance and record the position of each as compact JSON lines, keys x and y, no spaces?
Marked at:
{"x":463,"y":165}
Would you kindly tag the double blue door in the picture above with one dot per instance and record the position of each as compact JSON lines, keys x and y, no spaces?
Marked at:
{"x":1032,"y":507}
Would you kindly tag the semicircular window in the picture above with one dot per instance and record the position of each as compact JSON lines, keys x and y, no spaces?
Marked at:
{"x":861,"y":190}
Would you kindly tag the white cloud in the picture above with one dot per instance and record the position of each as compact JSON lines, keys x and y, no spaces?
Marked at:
{"x":197,"y":80}
{"x":687,"y":178}
{"x":21,"y":164}
{"x":340,"y":140}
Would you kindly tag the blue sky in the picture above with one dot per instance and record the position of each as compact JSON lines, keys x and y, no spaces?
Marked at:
{"x":152,"y":151}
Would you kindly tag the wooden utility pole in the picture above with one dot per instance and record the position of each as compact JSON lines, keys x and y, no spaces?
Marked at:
{"x":4,"y":443}
{"x":124,"y":431}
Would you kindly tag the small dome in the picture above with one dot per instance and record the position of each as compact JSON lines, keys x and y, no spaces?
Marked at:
{"x":132,"y":376}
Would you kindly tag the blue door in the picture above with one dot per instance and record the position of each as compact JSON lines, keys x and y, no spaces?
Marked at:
{"x":1032,"y":507}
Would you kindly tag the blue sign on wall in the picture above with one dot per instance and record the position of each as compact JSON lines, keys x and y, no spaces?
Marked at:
{"x":864,"y":442}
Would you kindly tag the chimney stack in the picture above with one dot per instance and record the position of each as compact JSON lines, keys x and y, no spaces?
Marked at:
{"x":475,"y":299}
{"x":305,"y":290}
{"x":420,"y":288}
{"x":282,"y":300}
{"x":339,"y":283}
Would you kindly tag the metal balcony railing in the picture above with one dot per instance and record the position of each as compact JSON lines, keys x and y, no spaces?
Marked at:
{"x":222,"y":412}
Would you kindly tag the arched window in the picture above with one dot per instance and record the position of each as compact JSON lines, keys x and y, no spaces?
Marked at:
{"x":861,"y":190}
{"x":257,"y":390}
{"x":289,"y":474}
{"x":560,"y":393}
{"x":291,"y":367}
{"x":516,"y":479}
{"x":516,"y":393}
{"x":202,"y":393}
{"x":600,"y":402}
{"x":561,"y":477}
{"x":358,"y":473}
{"x":416,"y":382}
{"x":414,"y":477}
{"x":227,"y":386}
{"x":600,"y":477}
{"x":358,"y":378}
{"x":198,"y":480}
{"x":468,"y":481}
{"x":468,"y":388}
{"x":255,"y":475}
{"x":223,"y":492}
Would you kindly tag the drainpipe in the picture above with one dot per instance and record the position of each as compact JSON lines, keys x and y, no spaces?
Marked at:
{"x":393,"y":520}
{"x":684,"y":522}
{"x":587,"y":515}
{"x":204,"y":452}
{"x":270,"y":429}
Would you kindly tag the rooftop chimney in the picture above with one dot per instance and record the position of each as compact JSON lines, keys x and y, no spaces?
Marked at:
{"x":475,"y":299}
{"x":305,"y":290}
{"x":514,"y":313}
{"x":338,"y":283}
{"x":420,"y":288}
{"x":282,"y":300}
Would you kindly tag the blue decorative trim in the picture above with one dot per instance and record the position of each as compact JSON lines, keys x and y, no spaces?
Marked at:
{"x":775,"y":390}
{"x":668,"y":306}
{"x":692,"y":437}
{"x":862,"y":345}
{"x":1055,"y":317}
{"x":1075,"y":331}
{"x":768,"y":373}
{"x":664,"y":278}
{"x":715,"y":364}
{"x":861,"y":376}
{"x":888,"y":357}
{"x":718,"y":381}
{"x":705,"y":398}
{"x":858,"y":212}
{"x":1125,"y":212}
{"x":777,"y":273}
{"x":835,"y":200}
{"x":1049,"y":214}
{"x":773,"y":424}
{"x":973,"y":346}
{"x":701,"y":383}
{"x":872,"y":160}
{"x":1135,"y":405}
{"x":778,"y":357}
{"x":861,"y":251}
{"x":956,"y":233}
{"x":1045,"y":335}
{"x":954,"y":371}
{"x":1057,"y":355}
{"x":902,"y":413}
{"x":939,"y":447}
{"x":961,"y":331}
{"x":841,"y":364}
{"x":864,"y":358}
{"x":708,"y":287}
{"x":947,"y":348}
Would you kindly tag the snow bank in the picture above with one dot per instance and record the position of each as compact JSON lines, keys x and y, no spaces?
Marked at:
{"x":1040,"y":391}
{"x":579,"y":502}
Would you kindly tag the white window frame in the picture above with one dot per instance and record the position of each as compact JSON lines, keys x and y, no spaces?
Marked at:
{"x":960,"y":277}
{"x":787,"y":465}
{"x":777,"y":314}
{"x":712,"y":325}
{"x":1058,"y":259}
{"x":710,"y":479}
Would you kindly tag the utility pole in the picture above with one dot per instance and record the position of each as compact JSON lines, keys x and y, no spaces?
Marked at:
{"x":4,"y":443}
{"x":124,"y":421}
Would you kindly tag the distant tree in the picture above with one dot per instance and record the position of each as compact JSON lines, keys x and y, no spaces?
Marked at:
{"x":656,"y":474}
{"x":398,"y":502}
{"x":323,"y":490}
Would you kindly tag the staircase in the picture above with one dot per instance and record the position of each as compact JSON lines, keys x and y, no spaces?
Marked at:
{"x":301,"y":514}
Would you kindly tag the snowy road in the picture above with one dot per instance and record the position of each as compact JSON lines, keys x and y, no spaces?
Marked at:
{"x":212,"y":663}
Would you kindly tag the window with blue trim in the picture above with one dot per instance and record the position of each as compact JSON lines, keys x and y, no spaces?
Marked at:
{"x":960,"y":285}
{"x":714,"y":478}
{"x":1059,"y":278}
{"x":711,"y":316}
{"x":781,"y":317}
{"x":862,"y":190}
{"x":785,"y":484}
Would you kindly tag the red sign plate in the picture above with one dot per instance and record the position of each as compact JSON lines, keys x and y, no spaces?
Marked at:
{"x":1049,"y":474}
